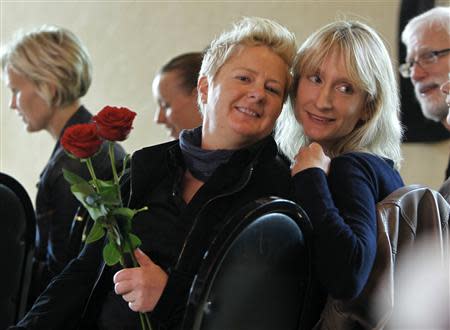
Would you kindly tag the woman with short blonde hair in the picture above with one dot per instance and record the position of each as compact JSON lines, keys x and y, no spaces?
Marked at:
{"x":54,"y":59}
{"x":48,"y":70}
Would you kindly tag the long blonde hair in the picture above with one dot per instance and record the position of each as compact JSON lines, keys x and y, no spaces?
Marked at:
{"x":369,"y":67}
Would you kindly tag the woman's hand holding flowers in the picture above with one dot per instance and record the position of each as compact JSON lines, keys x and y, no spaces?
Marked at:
{"x":102,"y":198}
{"x":141,"y":286}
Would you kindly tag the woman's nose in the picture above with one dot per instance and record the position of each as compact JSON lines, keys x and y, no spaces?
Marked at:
{"x":160,"y":115}
{"x":323,"y":100}
{"x":12,"y":103}
{"x":257,"y":93}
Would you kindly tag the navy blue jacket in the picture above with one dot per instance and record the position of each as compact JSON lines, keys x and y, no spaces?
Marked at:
{"x":341,"y":207}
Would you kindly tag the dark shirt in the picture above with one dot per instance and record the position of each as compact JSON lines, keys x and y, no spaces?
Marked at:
{"x":341,"y":207}
{"x":174,"y":235}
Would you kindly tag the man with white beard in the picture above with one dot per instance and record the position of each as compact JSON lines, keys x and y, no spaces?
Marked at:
{"x":427,"y":63}
{"x":427,"y":39}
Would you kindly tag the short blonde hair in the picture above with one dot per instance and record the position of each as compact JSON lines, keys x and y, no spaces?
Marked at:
{"x":249,"y":31}
{"x":50,"y":57}
{"x":367,"y":62}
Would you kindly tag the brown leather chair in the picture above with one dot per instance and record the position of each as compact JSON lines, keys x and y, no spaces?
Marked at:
{"x":404,"y":217}
{"x":18,"y":228}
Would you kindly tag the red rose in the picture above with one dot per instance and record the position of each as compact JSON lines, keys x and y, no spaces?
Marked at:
{"x":81,"y":140}
{"x":114,"y":124}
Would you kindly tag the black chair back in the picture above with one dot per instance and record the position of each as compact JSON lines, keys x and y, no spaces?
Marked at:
{"x":16,"y":249}
{"x":257,"y":273}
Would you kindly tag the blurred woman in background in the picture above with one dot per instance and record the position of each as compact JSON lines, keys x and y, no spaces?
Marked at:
{"x":175,"y":91}
{"x":48,"y":70}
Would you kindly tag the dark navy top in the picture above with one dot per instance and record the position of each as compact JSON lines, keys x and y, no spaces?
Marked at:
{"x":341,"y":207}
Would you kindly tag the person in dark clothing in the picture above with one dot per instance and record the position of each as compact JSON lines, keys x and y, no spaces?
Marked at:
{"x":175,"y":91}
{"x":190,"y":187}
{"x":48,"y":70}
{"x":345,"y":99}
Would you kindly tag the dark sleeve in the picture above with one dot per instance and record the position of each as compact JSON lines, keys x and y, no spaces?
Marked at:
{"x":61,"y":305}
{"x":342,"y":211}
{"x":65,"y":207}
{"x":170,"y":308}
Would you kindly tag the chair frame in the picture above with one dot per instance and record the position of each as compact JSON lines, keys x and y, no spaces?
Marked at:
{"x":218,"y":249}
{"x":30,"y":235}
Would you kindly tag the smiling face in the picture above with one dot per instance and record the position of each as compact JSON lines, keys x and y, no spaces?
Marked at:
{"x":328,"y":105}
{"x":244,"y":99}
{"x":177,"y":108}
{"x":30,"y":106}
{"x":427,"y":81}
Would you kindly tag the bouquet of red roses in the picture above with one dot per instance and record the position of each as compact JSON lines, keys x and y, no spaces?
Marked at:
{"x":102,"y":198}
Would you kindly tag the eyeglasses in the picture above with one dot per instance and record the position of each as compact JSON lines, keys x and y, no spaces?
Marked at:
{"x":424,"y":60}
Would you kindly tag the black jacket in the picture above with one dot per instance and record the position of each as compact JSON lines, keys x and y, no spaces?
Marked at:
{"x":173,"y":234}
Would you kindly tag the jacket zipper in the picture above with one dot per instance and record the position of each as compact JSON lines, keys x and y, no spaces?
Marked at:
{"x":238,"y":188}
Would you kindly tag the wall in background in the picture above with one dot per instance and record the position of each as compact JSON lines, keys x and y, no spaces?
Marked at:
{"x":128,"y":41}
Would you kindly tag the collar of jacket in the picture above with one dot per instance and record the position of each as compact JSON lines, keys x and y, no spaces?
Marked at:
{"x":150,"y":164}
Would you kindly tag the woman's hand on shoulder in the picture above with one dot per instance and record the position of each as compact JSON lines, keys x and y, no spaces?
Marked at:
{"x":309,"y":157}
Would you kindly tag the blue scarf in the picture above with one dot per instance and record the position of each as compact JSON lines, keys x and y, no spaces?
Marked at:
{"x":200,"y":162}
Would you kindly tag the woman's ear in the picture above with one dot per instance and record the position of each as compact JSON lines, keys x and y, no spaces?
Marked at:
{"x":52,"y":91}
{"x":364,"y":115}
{"x":202,"y":88}
{"x":367,"y":109}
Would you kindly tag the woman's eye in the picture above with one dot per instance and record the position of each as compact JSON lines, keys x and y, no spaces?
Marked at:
{"x":243,"y":78}
{"x":315,"y":79}
{"x":346,"y":89}
{"x":273,"y":90}
{"x":164,"y":105}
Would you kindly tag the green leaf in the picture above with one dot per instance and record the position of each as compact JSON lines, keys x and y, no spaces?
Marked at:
{"x":104,"y":184}
{"x":110,"y":196}
{"x":132,"y":244}
{"x":93,"y":200}
{"x":83,"y":188}
{"x":108,"y":191}
{"x":124,"y":212}
{"x":96,"y":212}
{"x":135,"y":241}
{"x":71,"y":177}
{"x":110,"y":254}
{"x":96,"y":232}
